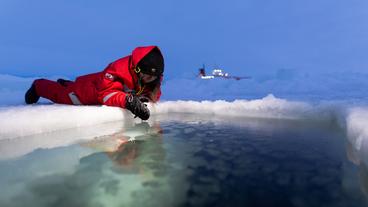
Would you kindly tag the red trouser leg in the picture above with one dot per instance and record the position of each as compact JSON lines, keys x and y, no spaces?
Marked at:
{"x":53,"y":91}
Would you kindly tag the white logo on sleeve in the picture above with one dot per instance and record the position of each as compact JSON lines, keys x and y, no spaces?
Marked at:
{"x":109,"y":76}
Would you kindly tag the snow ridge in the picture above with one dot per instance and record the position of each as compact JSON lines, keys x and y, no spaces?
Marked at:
{"x":20,"y":121}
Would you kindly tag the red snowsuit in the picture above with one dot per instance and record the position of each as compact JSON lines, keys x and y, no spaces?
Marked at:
{"x":108,"y":87}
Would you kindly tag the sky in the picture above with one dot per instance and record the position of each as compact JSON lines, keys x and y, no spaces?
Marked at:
{"x":244,"y":37}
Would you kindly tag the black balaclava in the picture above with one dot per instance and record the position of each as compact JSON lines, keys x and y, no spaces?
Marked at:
{"x":152,"y":63}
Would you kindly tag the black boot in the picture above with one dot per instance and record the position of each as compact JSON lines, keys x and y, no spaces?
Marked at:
{"x":31,"y":96}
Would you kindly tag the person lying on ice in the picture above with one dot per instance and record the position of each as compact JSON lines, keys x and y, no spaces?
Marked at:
{"x":127,"y":83}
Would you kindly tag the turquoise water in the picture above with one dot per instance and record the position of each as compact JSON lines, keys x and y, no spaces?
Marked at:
{"x":187,"y":160}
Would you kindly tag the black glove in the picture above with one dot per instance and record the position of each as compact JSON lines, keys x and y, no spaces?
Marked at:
{"x":133,"y":104}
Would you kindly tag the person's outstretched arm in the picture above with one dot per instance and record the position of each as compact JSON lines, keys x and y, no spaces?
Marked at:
{"x":110,"y":93}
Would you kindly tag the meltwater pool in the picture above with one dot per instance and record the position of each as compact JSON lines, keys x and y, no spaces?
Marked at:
{"x":192,"y":160}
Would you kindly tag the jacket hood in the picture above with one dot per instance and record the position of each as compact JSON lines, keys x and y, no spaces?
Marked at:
{"x":139,"y":52}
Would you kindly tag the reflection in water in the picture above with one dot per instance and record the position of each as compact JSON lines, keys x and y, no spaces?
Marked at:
{"x":111,"y":178}
{"x":192,"y":161}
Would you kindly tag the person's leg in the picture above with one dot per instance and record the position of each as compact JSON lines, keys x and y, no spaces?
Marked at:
{"x":53,"y":91}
